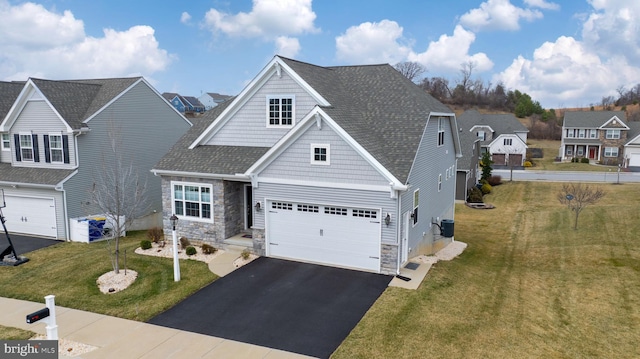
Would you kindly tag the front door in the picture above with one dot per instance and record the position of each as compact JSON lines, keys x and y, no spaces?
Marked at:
{"x":248,"y":206}
{"x":592,"y":153}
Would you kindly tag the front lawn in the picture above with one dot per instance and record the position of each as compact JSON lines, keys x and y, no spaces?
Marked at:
{"x":527,"y":286}
{"x":69,"y":271}
{"x":548,"y":163}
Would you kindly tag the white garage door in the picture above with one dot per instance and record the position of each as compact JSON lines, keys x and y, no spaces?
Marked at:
{"x":634,"y":160}
{"x":30,"y":215}
{"x":333,"y":235}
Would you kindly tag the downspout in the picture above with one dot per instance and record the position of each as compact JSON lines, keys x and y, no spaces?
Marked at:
{"x":400,"y":220}
{"x":66,"y":215}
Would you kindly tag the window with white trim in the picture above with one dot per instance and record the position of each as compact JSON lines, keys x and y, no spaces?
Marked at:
{"x":416,"y":204}
{"x":570,"y":133}
{"x":581,"y":133}
{"x":612,"y":134}
{"x":192,"y":201}
{"x":26,"y":147}
{"x":440,"y":131}
{"x":611,"y":151}
{"x":593,"y":133}
{"x":481,"y":135}
{"x":280,"y":111}
{"x":320,"y":154}
{"x":508,"y":141}
{"x":55,"y":148}
{"x":580,"y":151}
{"x":6,"y":142}
{"x":569,"y":151}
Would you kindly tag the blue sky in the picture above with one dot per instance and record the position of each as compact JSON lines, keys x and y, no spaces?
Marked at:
{"x":564,"y":53}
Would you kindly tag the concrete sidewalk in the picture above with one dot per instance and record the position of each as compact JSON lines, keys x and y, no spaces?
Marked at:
{"x":122,"y":338}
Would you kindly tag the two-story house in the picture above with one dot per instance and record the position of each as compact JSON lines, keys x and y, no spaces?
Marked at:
{"x":184,"y":104}
{"x":212,"y":99}
{"x":502,"y":135}
{"x":599,"y":136}
{"x":350,"y":166}
{"x":53,"y":137}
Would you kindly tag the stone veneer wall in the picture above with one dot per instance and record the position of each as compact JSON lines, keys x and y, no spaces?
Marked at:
{"x":389,"y":258}
{"x":259,"y":242}
{"x":233,"y":205}
{"x":619,"y":143}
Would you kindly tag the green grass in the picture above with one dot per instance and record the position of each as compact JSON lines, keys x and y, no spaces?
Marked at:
{"x":548,"y":163}
{"x":70,"y":270}
{"x":9,"y":333}
{"x":527,"y":286}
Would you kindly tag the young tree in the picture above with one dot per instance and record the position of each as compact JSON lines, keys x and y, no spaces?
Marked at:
{"x":578,"y":196}
{"x":118,"y":191}
{"x":486,"y":163}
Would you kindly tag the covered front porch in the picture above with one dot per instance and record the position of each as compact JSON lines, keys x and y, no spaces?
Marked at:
{"x":592,"y":151}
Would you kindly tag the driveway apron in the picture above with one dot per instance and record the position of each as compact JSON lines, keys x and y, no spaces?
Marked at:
{"x":297,"y":307}
{"x":24,"y":244}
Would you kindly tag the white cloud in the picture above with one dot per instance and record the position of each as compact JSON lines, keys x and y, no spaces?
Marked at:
{"x":542,"y":4}
{"x":268,"y":19}
{"x":40,"y":43}
{"x":498,"y":15}
{"x":449,"y":53}
{"x":613,"y":28}
{"x":370,"y":43}
{"x":287,"y":46}
{"x":185,"y":17}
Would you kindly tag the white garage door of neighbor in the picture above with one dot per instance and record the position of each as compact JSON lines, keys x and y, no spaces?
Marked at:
{"x":634,"y":160}
{"x":341,"y":236}
{"x":30,"y":215}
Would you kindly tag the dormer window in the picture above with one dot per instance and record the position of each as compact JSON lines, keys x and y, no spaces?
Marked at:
{"x":280,"y":111}
{"x":481,"y":135}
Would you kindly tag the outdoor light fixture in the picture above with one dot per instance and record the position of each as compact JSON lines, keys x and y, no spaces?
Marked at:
{"x":258,"y":206}
{"x":387,"y":219}
{"x":176,"y":263}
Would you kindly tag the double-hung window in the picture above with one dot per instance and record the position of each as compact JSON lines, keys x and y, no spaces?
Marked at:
{"x":280,"y":111}
{"x":440,"y":131}
{"x":192,"y":201}
{"x":26,"y":147}
{"x":508,"y":141}
{"x":612,"y":134}
{"x":611,"y":151}
{"x":416,"y":202}
{"x":6,"y":142}
{"x":55,"y":148}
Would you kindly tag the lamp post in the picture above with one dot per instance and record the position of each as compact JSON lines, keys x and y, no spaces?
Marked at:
{"x":176,"y":264}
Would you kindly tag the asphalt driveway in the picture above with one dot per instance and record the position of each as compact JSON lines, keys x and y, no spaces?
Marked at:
{"x":24,"y":244}
{"x":298,"y":307}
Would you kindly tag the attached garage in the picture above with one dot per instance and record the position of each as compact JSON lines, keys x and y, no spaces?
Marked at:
{"x":515,"y":159}
{"x":498,"y":159}
{"x":325,"y":234}
{"x":30,"y":215}
{"x":634,"y":160}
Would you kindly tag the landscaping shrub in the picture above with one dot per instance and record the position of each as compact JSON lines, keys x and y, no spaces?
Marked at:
{"x":208,"y":249}
{"x":528,"y":164}
{"x":191,"y":250}
{"x":494,"y":180}
{"x":486,"y":188}
{"x":584,"y":160}
{"x":155,"y":234}
{"x":475,"y":195}
{"x":245,"y":254}
{"x":184,"y":242}
{"x":145,"y":244}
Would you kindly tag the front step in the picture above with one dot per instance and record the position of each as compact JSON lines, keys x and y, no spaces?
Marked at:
{"x":238,"y":244}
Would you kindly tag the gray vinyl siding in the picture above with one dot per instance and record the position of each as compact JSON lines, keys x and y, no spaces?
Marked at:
{"x":147,"y":128}
{"x":38,"y":118}
{"x":335,"y":196}
{"x":430,"y":162}
{"x":248,"y":127}
{"x":5,"y":156}
{"x":43,"y":193}
{"x":346,"y":165}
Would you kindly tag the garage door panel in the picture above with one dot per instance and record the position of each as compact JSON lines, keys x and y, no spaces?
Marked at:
{"x":324,"y":235}
{"x":30,"y":215}
{"x":634,"y":161}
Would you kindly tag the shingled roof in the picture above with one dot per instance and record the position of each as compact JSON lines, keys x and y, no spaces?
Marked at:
{"x":9,"y":92}
{"x":77,"y":100}
{"x":29,"y":175}
{"x":591,"y":119}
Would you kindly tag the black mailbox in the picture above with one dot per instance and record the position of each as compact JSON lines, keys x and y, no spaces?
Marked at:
{"x":35,"y":316}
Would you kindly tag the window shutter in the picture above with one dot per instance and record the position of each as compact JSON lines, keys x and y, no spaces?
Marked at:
{"x":65,"y":148}
{"x":36,"y":153}
{"x":47,"y":155}
{"x":16,"y":138}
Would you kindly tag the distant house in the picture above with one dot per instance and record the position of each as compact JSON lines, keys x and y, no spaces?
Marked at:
{"x":632,"y":147}
{"x":54,"y":139}
{"x":502,"y":135}
{"x":212,"y":99}
{"x":184,"y":104}
{"x":349,"y":166}
{"x":599,"y":136}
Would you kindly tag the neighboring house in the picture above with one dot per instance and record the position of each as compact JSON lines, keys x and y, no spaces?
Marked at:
{"x":632,"y":147}
{"x":54,"y":136}
{"x":349,"y":166}
{"x":467,"y":169}
{"x":184,"y":104}
{"x":599,"y":136}
{"x":502,"y":135}
{"x":212,"y":99}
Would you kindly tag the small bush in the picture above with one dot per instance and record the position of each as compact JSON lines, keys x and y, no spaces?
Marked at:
{"x":191,"y":250}
{"x":208,"y":249}
{"x":145,"y":244}
{"x":475,"y":195}
{"x":584,"y":160}
{"x":155,"y":234}
{"x":528,"y":164}
{"x":494,"y":180}
{"x":486,"y":188}
{"x":245,"y":254}
{"x":184,"y":242}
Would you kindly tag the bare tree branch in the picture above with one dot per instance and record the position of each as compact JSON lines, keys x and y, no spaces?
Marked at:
{"x":578,"y":196}
{"x":411,"y":70}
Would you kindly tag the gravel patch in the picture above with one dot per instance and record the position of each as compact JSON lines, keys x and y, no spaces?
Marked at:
{"x":167,"y":252}
{"x":68,"y":348}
